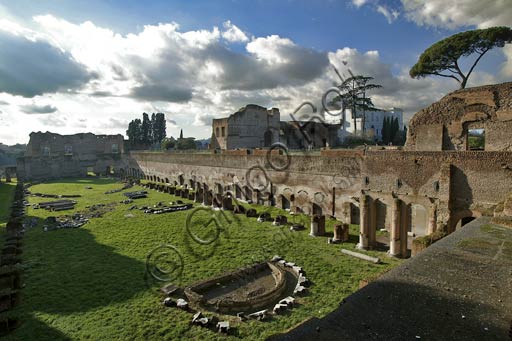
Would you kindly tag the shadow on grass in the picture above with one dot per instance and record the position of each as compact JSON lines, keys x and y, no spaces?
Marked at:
{"x":6,"y":196}
{"x":89,"y":181}
{"x":66,"y":272}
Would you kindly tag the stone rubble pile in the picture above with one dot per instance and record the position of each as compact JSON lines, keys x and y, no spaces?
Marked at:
{"x":127,"y":185}
{"x":136,"y":194}
{"x":58,"y":205}
{"x":56,"y":223}
{"x":10,"y":263}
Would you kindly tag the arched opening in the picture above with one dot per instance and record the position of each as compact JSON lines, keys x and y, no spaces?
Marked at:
{"x":267,"y":137}
{"x":259,"y":198}
{"x":354,"y":214}
{"x":461,"y":218}
{"x":181,"y":179}
{"x":248,"y":193}
{"x":238,"y":192}
{"x":381,"y":215}
{"x":166,"y":180}
{"x":285,"y":203}
{"x":419,"y":220}
{"x":218,"y":188}
{"x":317,"y":209}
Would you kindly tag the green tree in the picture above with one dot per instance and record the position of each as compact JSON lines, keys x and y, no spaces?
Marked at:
{"x":354,"y":97}
{"x":146,"y":129}
{"x":158,"y":127}
{"x":394,"y":127}
{"x":134,"y":132}
{"x":186,"y":143}
{"x":152,"y":130}
{"x":385,"y":130}
{"x":181,"y":134}
{"x":168,"y":143}
{"x":442,"y":58}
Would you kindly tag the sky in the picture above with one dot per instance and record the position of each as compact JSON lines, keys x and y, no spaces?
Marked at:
{"x":93,"y":66}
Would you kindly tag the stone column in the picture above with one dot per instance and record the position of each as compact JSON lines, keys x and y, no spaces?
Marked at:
{"x":432,"y":219}
{"x":372,"y":223}
{"x":255,"y":196}
{"x":363,"y":221}
{"x":347,"y":212}
{"x":404,"y":226}
{"x":7,"y":176}
{"x":394,"y":239}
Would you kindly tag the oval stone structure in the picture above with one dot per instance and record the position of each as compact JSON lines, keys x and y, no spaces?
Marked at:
{"x":245,"y":290}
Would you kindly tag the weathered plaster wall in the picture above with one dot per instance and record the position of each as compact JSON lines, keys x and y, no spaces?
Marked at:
{"x":488,"y":107}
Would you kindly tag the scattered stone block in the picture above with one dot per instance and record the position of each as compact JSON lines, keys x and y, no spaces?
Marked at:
{"x":297,"y":227}
{"x":239,"y":209}
{"x":182,"y":304}
{"x":288,"y":301}
{"x":200,"y":320}
{"x":227,"y":203}
{"x":276,"y":258}
{"x":223,"y":327}
{"x":298,"y":270}
{"x":169,"y":289}
{"x":289,"y":264}
{"x":278,"y":308}
{"x":317,"y":225}
{"x":361,"y":256}
{"x":251,"y":213}
{"x":340,"y":233}
{"x":264,"y":217}
{"x":299,"y":289}
{"x":168,"y":302}
{"x":259,"y":315}
{"x":303,"y":281}
{"x":280,"y":220}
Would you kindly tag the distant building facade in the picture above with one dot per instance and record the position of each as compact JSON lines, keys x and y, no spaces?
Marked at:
{"x":51,"y":155}
{"x":250,"y":127}
{"x":374,"y":121}
{"x":254,"y":126}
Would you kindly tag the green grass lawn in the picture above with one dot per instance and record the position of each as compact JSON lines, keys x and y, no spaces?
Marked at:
{"x":6,"y":196}
{"x":88,"y":283}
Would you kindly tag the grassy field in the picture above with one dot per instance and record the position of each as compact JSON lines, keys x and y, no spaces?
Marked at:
{"x":89,"y":283}
{"x":6,"y":196}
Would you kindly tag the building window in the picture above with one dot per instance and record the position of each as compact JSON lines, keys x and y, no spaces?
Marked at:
{"x":115,"y":148}
{"x":223,"y":131}
{"x":217,"y":131}
{"x":46,"y":151}
{"x":68,"y":150}
{"x":476,"y":139}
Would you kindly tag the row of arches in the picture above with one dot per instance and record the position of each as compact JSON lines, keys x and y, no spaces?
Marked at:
{"x":383,"y":222}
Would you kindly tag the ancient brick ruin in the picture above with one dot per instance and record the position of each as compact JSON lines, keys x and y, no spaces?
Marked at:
{"x":433,"y":185}
{"x":51,"y":156}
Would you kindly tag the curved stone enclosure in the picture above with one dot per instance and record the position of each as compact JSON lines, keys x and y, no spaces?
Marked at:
{"x":247,"y":290}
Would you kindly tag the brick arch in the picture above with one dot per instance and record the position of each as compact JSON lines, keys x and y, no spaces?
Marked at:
{"x":460,"y":215}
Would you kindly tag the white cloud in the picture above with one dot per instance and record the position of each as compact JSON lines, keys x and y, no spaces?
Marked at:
{"x":38,"y":109}
{"x":390,"y":14}
{"x":233,"y":34}
{"x":359,"y":3}
{"x":458,"y":13}
{"x":191,"y":76}
{"x":202,"y":119}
